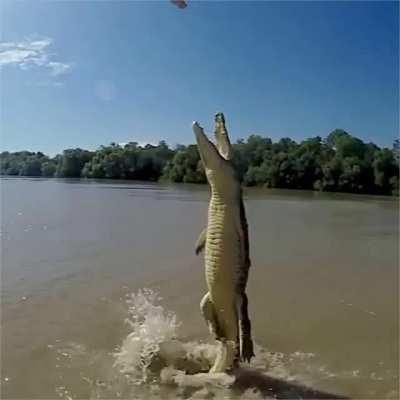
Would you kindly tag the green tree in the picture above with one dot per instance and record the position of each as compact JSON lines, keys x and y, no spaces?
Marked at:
{"x":185,"y":166}
{"x":385,"y":169}
{"x":31,"y":167}
{"x":72,"y":162}
{"x":342,"y":162}
{"x":48,"y":168}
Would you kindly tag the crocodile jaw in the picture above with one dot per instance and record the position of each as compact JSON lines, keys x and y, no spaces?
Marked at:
{"x":219,"y":171}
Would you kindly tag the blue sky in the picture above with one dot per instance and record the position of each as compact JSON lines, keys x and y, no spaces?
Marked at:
{"x":82,"y":74}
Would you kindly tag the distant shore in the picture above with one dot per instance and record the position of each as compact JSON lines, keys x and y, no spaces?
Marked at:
{"x":340,"y":163}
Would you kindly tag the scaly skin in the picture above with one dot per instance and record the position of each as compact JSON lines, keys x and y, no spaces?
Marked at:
{"x":226,"y":252}
{"x":222,"y":265}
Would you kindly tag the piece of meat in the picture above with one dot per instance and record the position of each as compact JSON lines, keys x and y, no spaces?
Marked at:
{"x":179,"y":3}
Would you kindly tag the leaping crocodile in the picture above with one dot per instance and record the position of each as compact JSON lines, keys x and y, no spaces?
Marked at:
{"x":226,"y":244}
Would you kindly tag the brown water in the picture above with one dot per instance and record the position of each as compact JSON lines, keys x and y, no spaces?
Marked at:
{"x":323,"y":289}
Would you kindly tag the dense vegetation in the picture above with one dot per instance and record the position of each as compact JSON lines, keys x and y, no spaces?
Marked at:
{"x":341,"y":163}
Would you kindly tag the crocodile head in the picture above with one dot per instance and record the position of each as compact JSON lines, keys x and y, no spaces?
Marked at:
{"x":217,"y":158}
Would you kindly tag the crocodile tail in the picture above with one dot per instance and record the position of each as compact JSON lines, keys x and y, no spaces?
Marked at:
{"x":246,"y":343}
{"x":246,"y":348}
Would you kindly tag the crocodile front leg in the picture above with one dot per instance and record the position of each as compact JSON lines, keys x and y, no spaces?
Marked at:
{"x":201,"y":241}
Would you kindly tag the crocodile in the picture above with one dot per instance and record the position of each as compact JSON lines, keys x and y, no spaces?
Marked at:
{"x":226,"y":244}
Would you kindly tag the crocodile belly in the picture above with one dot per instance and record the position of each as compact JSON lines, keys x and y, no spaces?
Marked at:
{"x":222,"y":259}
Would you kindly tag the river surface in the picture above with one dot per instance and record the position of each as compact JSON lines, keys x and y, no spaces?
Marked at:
{"x":76,"y":256}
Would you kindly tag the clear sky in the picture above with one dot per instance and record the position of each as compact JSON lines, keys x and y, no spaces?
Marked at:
{"x":82,"y":74}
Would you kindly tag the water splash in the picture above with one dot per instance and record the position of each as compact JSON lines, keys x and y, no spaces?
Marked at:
{"x":154,"y":362}
{"x":151,"y":326}
{"x":152,"y":354}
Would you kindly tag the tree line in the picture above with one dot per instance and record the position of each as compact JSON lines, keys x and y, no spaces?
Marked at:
{"x":340,"y":162}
